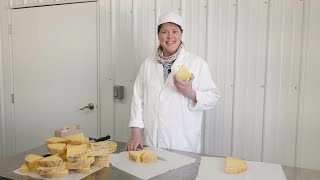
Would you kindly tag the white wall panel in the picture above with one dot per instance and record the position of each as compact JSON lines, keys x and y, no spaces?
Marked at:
{"x":122,"y":60}
{"x":1,"y":91}
{"x":285,"y":27}
{"x":221,"y":30}
{"x":308,"y":143}
{"x":194,"y":14}
{"x":144,"y":30}
{"x":249,"y":79}
{"x":106,"y":71}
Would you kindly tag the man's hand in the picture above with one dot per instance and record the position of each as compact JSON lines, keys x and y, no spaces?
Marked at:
{"x":136,"y":140}
{"x":185,"y":87}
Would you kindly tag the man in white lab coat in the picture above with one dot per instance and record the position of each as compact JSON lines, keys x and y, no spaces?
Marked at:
{"x":166,"y":111}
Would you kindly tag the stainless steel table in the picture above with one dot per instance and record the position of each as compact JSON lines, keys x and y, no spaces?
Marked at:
{"x":112,"y":173}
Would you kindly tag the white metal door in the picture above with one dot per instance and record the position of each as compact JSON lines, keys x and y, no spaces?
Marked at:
{"x":54,"y":70}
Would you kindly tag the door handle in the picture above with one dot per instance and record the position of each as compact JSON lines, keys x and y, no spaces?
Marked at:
{"x":89,"y":106}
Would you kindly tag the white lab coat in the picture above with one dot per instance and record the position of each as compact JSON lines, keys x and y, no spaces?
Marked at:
{"x":169,"y":119}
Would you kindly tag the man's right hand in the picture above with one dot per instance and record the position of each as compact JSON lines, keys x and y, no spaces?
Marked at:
{"x":136,"y":140}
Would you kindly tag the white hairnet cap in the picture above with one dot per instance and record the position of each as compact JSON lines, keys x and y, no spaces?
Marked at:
{"x":170,"y":17}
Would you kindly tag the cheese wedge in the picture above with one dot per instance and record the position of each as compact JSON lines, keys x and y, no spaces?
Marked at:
{"x":55,"y":140}
{"x":135,"y":156}
{"x":58,"y":148}
{"x":235,"y":165}
{"x":50,"y":170}
{"x":149,"y":157}
{"x":58,"y":174}
{"x":98,"y":152}
{"x":101,"y":158}
{"x":77,"y":139}
{"x":74,"y":152}
{"x":101,"y":163}
{"x":143,"y":156}
{"x":183,"y":73}
{"x":32,"y":161}
{"x":51,"y":161}
{"x":77,"y":165}
{"x":85,"y":170}
{"x":24,"y":168}
{"x":99,"y":145}
{"x":112,"y":146}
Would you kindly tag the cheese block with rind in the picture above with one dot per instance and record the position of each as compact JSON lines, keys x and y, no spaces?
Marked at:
{"x":57,"y":148}
{"x":74,"y":152}
{"x":51,"y":161}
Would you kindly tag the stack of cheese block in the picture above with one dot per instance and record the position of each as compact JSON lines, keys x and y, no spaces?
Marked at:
{"x":100,"y":152}
{"x":143,"y":156}
{"x":73,"y":152}
{"x":235,"y":165}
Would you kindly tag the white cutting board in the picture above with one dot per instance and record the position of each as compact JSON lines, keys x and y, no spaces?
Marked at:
{"x":148,"y":170}
{"x":213,"y":168}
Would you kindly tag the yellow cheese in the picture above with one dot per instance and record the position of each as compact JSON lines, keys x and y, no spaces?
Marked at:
{"x":99,"y":145}
{"x":81,"y":164}
{"x":51,"y":161}
{"x":235,"y":165}
{"x":143,"y":156}
{"x":24,"y":168}
{"x":77,"y":139}
{"x":149,"y":157}
{"x":112,"y":146}
{"x":85,"y":170}
{"x":58,"y":174}
{"x":97,"y":152}
{"x":101,"y":158}
{"x":55,"y":140}
{"x":32,"y":157}
{"x":32,"y":161}
{"x":63,"y":156}
{"x":184,"y":73}
{"x":135,"y":156}
{"x":50,"y":170}
{"x":58,"y":148}
{"x":74,"y":152}
{"x":101,"y":163}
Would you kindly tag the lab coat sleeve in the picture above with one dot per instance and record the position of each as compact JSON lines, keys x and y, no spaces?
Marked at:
{"x":136,"y":119}
{"x":207,"y":94}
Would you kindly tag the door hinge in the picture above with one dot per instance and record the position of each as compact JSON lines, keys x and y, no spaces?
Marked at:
{"x":12,"y":98}
{"x":10,"y":28}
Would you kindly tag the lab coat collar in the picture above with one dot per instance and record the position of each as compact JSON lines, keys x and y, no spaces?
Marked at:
{"x":174,"y":68}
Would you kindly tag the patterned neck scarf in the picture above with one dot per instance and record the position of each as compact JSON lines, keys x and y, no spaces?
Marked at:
{"x":167,"y":59}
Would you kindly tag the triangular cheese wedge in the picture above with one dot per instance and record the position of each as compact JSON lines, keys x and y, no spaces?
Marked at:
{"x":235,"y":165}
{"x":184,"y":73}
{"x":58,"y":148}
{"x":51,"y":161}
{"x":32,"y":161}
{"x":77,"y":139}
{"x":55,"y":140}
{"x":75,"y":152}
